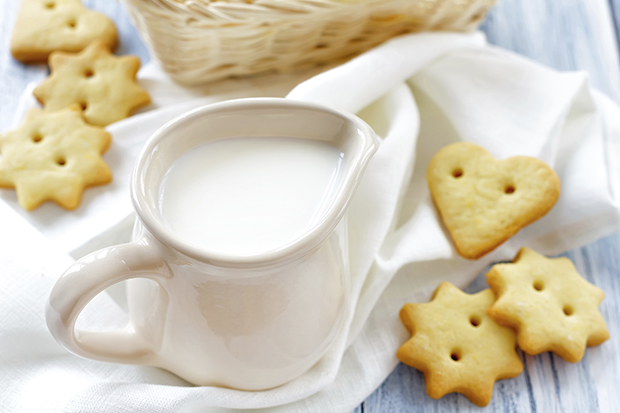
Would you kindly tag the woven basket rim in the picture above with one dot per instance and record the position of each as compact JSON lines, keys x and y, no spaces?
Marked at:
{"x":240,"y":11}
{"x":197,"y":41}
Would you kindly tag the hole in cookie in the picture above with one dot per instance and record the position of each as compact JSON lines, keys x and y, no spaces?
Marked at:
{"x":83,"y":105}
{"x":475,"y":320}
{"x":89,"y":73}
{"x":37,"y":138}
{"x":457,"y":173}
{"x":50,"y":5}
{"x":509,"y":189}
{"x":71,"y":24}
{"x":61,"y":161}
{"x":568,"y":310}
{"x":455,"y":355}
{"x":476,"y":17}
{"x":538,"y":285}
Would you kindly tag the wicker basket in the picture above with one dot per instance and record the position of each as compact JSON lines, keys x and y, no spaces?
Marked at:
{"x":197,"y":41}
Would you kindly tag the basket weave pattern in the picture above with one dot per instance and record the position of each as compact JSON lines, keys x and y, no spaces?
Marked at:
{"x":197,"y":41}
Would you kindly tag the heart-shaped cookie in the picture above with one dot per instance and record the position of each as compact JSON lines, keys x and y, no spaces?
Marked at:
{"x":44,"y":26}
{"x":484,"y":201}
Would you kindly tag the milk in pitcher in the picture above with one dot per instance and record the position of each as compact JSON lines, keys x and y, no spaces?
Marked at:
{"x":246,"y":196}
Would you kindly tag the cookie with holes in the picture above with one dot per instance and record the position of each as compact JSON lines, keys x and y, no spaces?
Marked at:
{"x":104,"y":85}
{"x":457,"y":346}
{"x":53,"y":156}
{"x":44,"y":26}
{"x":549,"y":304}
{"x":484,"y":201}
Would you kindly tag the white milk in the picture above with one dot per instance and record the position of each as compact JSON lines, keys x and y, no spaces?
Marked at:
{"x":245,"y":196}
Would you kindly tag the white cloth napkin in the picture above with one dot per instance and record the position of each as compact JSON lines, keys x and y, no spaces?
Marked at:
{"x":419,"y":92}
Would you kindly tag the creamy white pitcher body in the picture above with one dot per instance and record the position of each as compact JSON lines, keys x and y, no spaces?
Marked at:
{"x":247,"y":322}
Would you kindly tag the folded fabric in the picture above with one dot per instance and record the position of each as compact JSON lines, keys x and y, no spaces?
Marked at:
{"x":419,"y":92}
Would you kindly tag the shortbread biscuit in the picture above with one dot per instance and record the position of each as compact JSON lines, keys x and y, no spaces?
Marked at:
{"x":53,"y":156}
{"x":104,"y":85}
{"x":549,"y":304}
{"x":44,"y":26}
{"x":457,"y":346}
{"x":484,"y":201}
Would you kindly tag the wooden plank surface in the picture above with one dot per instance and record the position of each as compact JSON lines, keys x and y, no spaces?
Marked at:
{"x":565,"y":34}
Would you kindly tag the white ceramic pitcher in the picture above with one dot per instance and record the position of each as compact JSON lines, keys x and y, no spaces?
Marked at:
{"x":244,"y":322}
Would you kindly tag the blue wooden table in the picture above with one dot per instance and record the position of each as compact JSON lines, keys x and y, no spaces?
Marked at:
{"x":564,"y":34}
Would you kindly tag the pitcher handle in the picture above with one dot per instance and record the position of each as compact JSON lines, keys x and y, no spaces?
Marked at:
{"x":88,"y":277}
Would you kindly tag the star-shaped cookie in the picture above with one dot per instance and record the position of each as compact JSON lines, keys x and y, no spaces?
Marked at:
{"x":53,"y":156}
{"x":549,"y":304}
{"x":44,"y":26}
{"x":457,"y":346}
{"x":104,"y":85}
{"x":484,"y":201}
